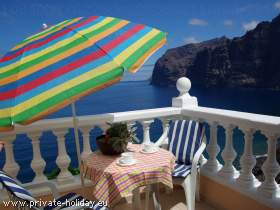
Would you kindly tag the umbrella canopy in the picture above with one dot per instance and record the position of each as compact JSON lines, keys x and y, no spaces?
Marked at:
{"x":53,"y":68}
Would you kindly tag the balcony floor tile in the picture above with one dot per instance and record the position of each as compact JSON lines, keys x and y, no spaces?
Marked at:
{"x":172,"y":201}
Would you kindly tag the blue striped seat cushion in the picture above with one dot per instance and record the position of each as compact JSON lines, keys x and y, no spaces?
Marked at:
{"x":184,"y":139}
{"x":73,"y":199}
{"x":14,"y":188}
{"x":182,"y":170}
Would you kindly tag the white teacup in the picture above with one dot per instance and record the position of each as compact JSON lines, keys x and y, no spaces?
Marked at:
{"x":126,"y":157}
{"x":150,"y":147}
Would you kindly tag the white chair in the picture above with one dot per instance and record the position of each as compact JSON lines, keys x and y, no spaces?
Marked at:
{"x":186,"y":140}
{"x":22,"y":199}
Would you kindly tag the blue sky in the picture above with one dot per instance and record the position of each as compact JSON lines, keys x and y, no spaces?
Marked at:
{"x":184,"y":20}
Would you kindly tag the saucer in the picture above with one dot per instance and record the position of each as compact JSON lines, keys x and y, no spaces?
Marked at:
{"x":134,"y":161}
{"x":156,"y":149}
{"x":131,"y":149}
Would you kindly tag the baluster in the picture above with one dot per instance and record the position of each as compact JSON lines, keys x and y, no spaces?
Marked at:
{"x":270,"y":168}
{"x":165,"y":126}
{"x":131,"y":126}
{"x":146,"y":131}
{"x":163,"y":140}
{"x":247,"y":161}
{"x":202,"y":159}
{"x":11,"y":166}
{"x":86,"y":142}
{"x":37,"y":164}
{"x":213,"y":150}
{"x":228,"y":171}
{"x":62,"y":160}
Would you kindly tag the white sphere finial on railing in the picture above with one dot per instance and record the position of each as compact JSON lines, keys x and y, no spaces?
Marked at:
{"x":44,"y":26}
{"x":183,"y":85}
{"x":184,"y":99}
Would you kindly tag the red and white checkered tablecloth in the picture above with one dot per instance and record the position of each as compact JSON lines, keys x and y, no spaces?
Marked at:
{"x":113,"y":182}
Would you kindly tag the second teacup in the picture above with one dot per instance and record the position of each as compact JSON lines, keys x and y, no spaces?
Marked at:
{"x":149,"y":147}
{"x":126,"y":157}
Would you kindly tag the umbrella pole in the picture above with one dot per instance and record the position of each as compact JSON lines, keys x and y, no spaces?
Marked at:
{"x":75,"y":123}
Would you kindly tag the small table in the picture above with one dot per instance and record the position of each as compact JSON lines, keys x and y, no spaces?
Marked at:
{"x":113,"y":182}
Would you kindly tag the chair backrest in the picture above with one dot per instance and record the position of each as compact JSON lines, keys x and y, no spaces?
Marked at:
{"x":15,"y":191}
{"x":185,"y":137}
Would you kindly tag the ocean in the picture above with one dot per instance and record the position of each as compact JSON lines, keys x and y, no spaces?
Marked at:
{"x":136,"y":95}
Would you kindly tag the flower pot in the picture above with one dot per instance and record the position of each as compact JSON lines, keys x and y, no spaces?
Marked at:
{"x":105,"y":147}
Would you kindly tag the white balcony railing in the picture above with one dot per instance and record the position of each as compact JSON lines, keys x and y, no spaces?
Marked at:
{"x":184,"y":107}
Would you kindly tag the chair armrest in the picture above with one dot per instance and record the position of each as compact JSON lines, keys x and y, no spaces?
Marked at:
{"x":48,"y":184}
{"x":196,"y":159}
{"x":163,"y":139}
{"x":164,"y":146}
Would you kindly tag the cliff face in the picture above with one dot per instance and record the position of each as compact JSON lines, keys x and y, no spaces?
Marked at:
{"x":252,"y":60}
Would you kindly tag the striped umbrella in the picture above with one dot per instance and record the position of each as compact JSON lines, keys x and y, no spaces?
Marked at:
{"x":57,"y":66}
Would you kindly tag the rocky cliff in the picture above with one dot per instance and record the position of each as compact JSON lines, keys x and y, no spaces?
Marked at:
{"x":252,"y":60}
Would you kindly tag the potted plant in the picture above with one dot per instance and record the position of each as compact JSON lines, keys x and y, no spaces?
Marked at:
{"x":115,"y":139}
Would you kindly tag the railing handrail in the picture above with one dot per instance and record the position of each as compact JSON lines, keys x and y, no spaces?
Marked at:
{"x":91,"y":120}
{"x":243,"y":119}
{"x":146,"y":114}
{"x":56,"y":123}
